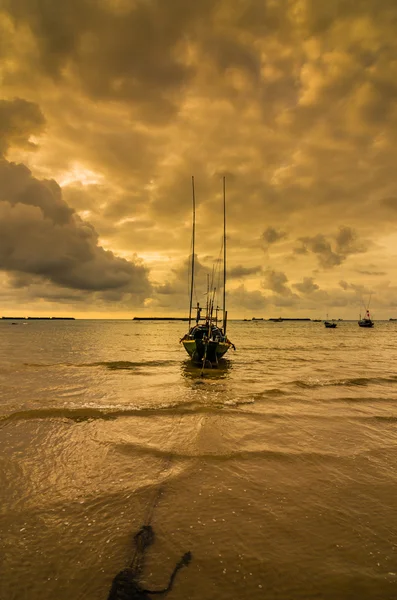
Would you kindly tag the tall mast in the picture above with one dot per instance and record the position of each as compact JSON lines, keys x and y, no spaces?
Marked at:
{"x":193,"y":244}
{"x":224,"y":255}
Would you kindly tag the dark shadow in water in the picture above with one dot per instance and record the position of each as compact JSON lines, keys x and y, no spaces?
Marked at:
{"x":126,"y":583}
{"x":191,"y":371}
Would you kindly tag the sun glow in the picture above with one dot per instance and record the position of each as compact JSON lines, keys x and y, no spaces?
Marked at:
{"x":80,"y":175}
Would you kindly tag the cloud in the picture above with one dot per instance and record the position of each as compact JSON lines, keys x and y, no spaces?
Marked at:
{"x":271,"y":236}
{"x":276,"y":282}
{"x":390,"y":202}
{"x":376,"y":273}
{"x":241,"y":298}
{"x":40,"y":235}
{"x":307,"y":286}
{"x":19,"y":119}
{"x":115,"y":51}
{"x":123,"y":100}
{"x":359,"y":289}
{"x":319,"y":245}
{"x":240,"y":272}
{"x":345,"y":243}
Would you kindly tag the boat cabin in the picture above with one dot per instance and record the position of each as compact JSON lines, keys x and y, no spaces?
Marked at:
{"x":198,"y":332}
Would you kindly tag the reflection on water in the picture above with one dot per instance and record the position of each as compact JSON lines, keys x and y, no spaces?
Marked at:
{"x":193,"y":371}
{"x":277,"y":469}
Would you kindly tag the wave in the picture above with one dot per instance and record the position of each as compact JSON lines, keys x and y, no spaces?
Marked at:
{"x":350,"y":382}
{"x":112,"y":365}
{"x":239,"y":454}
{"x":88,"y":413}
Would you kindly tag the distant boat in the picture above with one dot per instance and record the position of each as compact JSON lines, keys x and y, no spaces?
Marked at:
{"x":316,"y":320}
{"x":329,"y":324}
{"x":207,"y":342}
{"x":366,"y":321}
{"x":279,"y":320}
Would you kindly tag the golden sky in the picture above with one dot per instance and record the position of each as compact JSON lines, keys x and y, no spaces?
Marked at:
{"x":108,"y":107}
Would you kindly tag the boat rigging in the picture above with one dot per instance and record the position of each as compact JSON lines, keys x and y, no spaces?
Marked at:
{"x":206,"y":342}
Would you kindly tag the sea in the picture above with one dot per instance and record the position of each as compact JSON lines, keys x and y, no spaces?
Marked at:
{"x":277,"y":470}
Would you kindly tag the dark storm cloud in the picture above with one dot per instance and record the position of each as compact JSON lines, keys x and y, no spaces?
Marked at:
{"x":42,"y":236}
{"x":293,"y":99}
{"x":19,"y":119}
{"x":117,"y":51}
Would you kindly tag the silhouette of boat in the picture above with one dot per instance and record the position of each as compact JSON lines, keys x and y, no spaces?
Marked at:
{"x":207,"y":342}
{"x":329,"y":324}
{"x":366,"y":321}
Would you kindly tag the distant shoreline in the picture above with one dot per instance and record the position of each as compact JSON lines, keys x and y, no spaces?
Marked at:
{"x":39,"y":318}
{"x":160,"y":319}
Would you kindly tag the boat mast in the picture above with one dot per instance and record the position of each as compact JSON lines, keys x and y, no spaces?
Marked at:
{"x":369,"y":301}
{"x":193,"y":244}
{"x":224,"y":255}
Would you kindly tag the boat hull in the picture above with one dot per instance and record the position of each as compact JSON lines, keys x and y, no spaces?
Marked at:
{"x":366,"y":323}
{"x":211,"y":351}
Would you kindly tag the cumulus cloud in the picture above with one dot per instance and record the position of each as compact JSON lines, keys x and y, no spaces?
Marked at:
{"x":276,"y":282}
{"x":271,"y":236}
{"x":345,"y":243}
{"x":321,"y":247}
{"x":41,"y":235}
{"x":307,"y":286}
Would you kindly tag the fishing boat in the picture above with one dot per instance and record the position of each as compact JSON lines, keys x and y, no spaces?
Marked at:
{"x":206,"y":341}
{"x":329,"y":324}
{"x":366,"y":321}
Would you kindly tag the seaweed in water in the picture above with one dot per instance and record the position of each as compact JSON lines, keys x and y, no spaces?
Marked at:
{"x":126,"y":586}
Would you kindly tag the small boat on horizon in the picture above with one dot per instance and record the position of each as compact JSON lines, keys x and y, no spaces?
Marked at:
{"x":367,"y":320}
{"x":329,"y":324}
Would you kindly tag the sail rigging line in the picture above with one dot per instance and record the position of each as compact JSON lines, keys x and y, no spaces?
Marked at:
{"x":189,"y":275}
{"x":224,"y":255}
{"x":369,"y":301}
{"x":193,"y":249}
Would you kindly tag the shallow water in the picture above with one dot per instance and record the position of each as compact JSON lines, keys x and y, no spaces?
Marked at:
{"x":277,"y":470}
